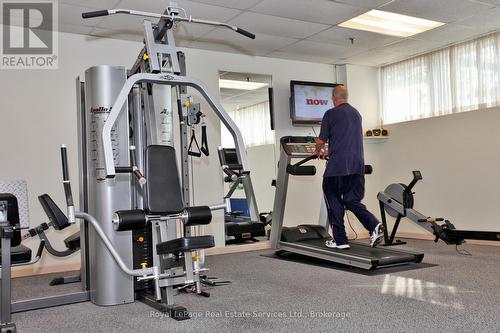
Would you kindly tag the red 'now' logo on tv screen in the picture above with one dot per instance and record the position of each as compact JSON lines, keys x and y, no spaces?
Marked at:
{"x":311,"y":101}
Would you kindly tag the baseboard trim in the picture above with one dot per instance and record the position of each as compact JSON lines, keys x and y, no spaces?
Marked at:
{"x":30,"y":270}
{"x":261,"y":245}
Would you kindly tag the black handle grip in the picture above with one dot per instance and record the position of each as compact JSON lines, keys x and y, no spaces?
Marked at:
{"x":64,"y":160}
{"x":140,"y":177}
{"x":245,"y":33}
{"x":66,"y":183}
{"x":296,"y":170}
{"x":307,"y":159}
{"x":127,"y":169}
{"x":97,"y":13}
{"x":193,"y":153}
{"x":40,"y":249}
{"x":431,"y":220}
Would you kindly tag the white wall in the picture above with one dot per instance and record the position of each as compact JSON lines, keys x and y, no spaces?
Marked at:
{"x":457,"y":155}
{"x":38,"y":109}
{"x":39,"y":113}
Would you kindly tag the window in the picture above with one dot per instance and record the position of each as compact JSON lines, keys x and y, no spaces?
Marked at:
{"x":459,"y":78}
{"x":253,"y":122}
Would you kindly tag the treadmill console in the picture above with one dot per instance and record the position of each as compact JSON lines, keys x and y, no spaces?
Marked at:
{"x":299,"y":146}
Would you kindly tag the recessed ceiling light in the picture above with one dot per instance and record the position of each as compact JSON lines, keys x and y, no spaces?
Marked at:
{"x":388,"y":23}
{"x":241,"y":85}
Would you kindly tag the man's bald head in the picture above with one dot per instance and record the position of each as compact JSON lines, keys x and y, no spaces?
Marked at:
{"x":340,"y":92}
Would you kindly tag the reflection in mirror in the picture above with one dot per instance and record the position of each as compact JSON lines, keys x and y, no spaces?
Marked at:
{"x":245,"y":97}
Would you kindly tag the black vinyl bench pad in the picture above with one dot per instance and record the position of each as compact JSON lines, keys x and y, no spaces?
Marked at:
{"x":19,"y":255}
{"x":185,"y":244}
{"x":73,"y":242}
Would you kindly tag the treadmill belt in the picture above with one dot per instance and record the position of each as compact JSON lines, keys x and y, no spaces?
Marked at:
{"x":364,"y":254}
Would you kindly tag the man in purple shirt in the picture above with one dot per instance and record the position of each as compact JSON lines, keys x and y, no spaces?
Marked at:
{"x":344,"y":177}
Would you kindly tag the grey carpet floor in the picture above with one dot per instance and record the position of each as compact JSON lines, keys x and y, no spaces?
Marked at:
{"x":448,"y":293}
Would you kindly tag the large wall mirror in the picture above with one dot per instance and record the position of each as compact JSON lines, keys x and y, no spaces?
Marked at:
{"x":247,"y":97}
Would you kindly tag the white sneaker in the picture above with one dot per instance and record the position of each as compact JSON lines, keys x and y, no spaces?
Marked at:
{"x":331,"y":244}
{"x":376,"y":235}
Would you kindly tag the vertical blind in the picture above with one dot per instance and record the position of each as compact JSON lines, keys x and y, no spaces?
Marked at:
{"x":459,"y":78}
{"x":254,"y":124}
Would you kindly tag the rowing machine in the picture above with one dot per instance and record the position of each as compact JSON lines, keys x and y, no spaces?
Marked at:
{"x":397,"y":200}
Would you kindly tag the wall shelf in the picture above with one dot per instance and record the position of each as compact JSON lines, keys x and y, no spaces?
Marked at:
{"x":375,"y":139}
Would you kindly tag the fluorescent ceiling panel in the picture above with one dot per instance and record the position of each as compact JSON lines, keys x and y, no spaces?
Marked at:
{"x":240,"y":85}
{"x":392,"y":24}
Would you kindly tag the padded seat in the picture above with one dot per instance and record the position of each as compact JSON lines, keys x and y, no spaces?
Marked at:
{"x":237,"y":229}
{"x":185,"y":244}
{"x":73,"y":242}
{"x":19,"y":255}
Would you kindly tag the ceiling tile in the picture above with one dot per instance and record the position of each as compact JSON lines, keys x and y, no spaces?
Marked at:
{"x":374,"y":58}
{"x":442,"y":10}
{"x":320,"y":11}
{"x":491,"y":2}
{"x":330,"y":51}
{"x":238,"y":4}
{"x":100,"y":4}
{"x":447,"y":34}
{"x":261,"y":45}
{"x":362,"y":39}
{"x":123,"y":22}
{"x":190,"y":32}
{"x":126,"y":34}
{"x":194,"y":9}
{"x":485,"y":23}
{"x":277,"y":26}
{"x":70,"y":14}
{"x":155,"y":6}
{"x":182,"y":42}
{"x":75,"y":29}
{"x":411,"y":46}
{"x":204,"y":45}
{"x":301,"y":57}
{"x":367,"y":4}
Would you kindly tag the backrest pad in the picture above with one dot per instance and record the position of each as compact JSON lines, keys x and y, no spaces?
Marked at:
{"x":163,"y":188}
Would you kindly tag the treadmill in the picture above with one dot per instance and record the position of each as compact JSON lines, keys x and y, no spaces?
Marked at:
{"x":240,"y":220}
{"x":309,"y":239}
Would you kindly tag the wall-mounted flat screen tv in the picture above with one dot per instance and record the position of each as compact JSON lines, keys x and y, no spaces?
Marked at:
{"x":309,"y":101}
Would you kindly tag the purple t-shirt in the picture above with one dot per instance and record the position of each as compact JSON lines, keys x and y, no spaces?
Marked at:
{"x":341,"y":128}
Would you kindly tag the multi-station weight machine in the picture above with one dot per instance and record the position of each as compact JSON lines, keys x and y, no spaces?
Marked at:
{"x":140,"y":238}
{"x":123,"y":140}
